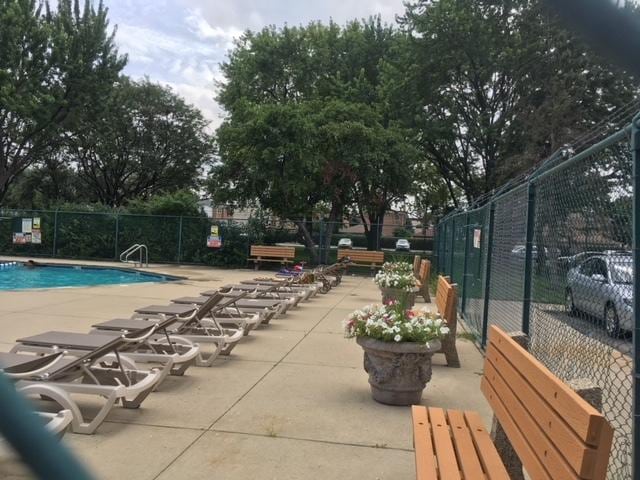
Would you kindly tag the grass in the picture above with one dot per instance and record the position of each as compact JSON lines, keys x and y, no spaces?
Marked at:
{"x":470,"y":336}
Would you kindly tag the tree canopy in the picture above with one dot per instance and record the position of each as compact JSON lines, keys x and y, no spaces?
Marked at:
{"x":308,"y":124}
{"x":497,"y":87}
{"x":53,"y":64}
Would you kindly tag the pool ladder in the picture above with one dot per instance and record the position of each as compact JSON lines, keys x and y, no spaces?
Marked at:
{"x":141,"y":249}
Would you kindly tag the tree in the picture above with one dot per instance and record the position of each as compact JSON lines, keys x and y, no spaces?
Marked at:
{"x":147,"y":140}
{"x":307,"y":125}
{"x":52,"y":66}
{"x":500,"y":86}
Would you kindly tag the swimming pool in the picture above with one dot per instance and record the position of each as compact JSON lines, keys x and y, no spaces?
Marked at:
{"x":18,"y":277}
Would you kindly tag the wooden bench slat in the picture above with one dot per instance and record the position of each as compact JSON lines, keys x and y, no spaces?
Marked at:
{"x":487,"y":453}
{"x":585,"y":420}
{"x":446,"y":299}
{"x":465,"y":449}
{"x":269,"y":251}
{"x":604,"y":452}
{"x":537,"y":441}
{"x":356,"y":256}
{"x":581,"y":457}
{"x":425,"y":461}
{"x":535,"y":469}
{"x":417,"y":263}
{"x":445,"y":454}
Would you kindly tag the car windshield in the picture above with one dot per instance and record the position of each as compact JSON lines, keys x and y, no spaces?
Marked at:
{"x":622,"y":271}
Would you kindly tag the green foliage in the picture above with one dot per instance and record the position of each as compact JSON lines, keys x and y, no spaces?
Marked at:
{"x":499,"y":87}
{"x":145,"y":141}
{"x":402,"y":232}
{"x":52,"y":66}
{"x":183,"y":202}
{"x":308,"y":124}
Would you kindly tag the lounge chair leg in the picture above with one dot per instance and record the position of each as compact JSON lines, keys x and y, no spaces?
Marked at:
{"x":62,"y":398}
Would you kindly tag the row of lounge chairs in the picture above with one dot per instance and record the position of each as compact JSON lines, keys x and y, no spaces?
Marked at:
{"x":124,"y":359}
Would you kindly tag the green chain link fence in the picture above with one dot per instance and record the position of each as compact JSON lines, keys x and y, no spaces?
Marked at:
{"x":183,"y":239}
{"x":553,"y":257}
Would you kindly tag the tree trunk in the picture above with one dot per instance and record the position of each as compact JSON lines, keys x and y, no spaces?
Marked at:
{"x":376,"y":223}
{"x":335,"y":216}
{"x":308,"y":239}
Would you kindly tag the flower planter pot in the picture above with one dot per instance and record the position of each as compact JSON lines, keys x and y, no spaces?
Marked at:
{"x":400,"y":295}
{"x":398,"y":372}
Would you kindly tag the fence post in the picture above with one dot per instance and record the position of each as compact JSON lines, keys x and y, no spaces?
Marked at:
{"x":179,"y":239}
{"x":453,"y":246}
{"x":116,"y":246}
{"x":435,"y":255}
{"x":466,"y":264}
{"x":487,"y":275}
{"x":635,"y":151}
{"x":55,"y":231}
{"x":528,"y":258}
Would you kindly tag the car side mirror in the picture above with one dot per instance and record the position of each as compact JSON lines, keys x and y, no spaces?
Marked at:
{"x":598,"y":277}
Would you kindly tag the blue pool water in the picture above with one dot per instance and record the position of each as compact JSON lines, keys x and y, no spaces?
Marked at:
{"x":19,"y":277}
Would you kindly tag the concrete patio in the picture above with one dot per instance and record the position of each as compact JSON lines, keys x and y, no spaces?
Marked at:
{"x":292,"y":401}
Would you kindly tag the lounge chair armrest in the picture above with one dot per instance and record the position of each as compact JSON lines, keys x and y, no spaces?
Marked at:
{"x":145,"y":333}
{"x":55,"y":358}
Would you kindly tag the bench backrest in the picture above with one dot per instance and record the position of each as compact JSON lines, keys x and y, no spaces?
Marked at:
{"x":269,"y":251}
{"x":362,"y":255}
{"x":424,"y":272}
{"x":446,"y":298}
{"x":417,"y":262}
{"x":555,"y":432}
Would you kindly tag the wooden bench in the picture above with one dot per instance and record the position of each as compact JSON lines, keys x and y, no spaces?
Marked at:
{"x":446,"y":304}
{"x":417,"y":261}
{"x":262,"y":253}
{"x":423,"y":275}
{"x":362,"y":258}
{"x":554,"y":433}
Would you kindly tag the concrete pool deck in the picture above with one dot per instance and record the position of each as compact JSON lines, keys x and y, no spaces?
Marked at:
{"x":292,"y":401}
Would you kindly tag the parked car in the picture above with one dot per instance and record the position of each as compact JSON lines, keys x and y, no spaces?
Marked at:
{"x":602,"y":286}
{"x":520,"y":251}
{"x":402,"y":244}
{"x":345,"y":243}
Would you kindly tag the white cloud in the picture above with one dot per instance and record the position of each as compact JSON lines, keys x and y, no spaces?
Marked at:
{"x":204,"y":30}
{"x":203,"y":98}
{"x":180,"y":43}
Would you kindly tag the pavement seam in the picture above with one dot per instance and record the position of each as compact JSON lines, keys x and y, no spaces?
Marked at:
{"x":250,"y":389}
{"x":313,"y":440}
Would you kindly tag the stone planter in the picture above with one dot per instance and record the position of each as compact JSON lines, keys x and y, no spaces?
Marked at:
{"x":398,"y":372}
{"x":389,"y":294}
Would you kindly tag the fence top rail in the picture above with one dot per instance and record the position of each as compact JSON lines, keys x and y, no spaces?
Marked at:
{"x":614,"y":138}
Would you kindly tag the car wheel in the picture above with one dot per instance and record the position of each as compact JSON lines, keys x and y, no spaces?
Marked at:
{"x":611,"y":321}
{"x":568,"y":302}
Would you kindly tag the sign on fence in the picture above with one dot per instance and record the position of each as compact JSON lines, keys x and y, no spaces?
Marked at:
{"x":477,"y":237}
{"x":214,"y":240}
{"x":27,"y":230}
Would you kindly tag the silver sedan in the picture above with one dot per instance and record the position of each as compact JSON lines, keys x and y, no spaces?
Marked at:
{"x":602,"y":286}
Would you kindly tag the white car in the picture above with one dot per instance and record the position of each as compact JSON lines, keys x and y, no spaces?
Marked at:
{"x":403,"y":244}
{"x":345,"y":243}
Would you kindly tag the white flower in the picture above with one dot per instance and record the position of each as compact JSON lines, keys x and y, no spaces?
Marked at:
{"x":398,"y":338}
{"x":444,"y":330}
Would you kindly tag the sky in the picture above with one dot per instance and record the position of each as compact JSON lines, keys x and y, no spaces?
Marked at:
{"x":180,"y":43}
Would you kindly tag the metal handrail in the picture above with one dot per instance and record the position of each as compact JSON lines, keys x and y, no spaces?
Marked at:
{"x":143,"y":252}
